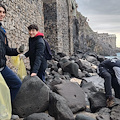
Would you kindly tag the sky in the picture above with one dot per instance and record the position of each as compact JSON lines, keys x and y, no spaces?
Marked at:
{"x":103,"y":16}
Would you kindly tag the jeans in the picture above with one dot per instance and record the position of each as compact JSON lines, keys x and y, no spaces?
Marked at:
{"x":41,"y":75}
{"x":12,"y":80}
{"x":109,"y":83}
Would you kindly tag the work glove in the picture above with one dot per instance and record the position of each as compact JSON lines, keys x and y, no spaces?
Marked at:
{"x":21,"y":49}
{"x":22,"y":56}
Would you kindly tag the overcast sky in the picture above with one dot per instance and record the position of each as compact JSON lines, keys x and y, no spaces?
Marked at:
{"x":103,"y":16}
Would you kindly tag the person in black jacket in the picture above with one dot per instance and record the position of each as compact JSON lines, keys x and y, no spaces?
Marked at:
{"x":12,"y":80}
{"x":110,"y":70}
{"x":38,"y":63}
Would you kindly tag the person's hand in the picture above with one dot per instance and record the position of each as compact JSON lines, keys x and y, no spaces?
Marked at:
{"x":21,"y":49}
{"x":22,"y":56}
{"x":33,"y":74}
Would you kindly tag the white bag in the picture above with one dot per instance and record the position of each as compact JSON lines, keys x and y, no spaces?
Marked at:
{"x":117,"y":73}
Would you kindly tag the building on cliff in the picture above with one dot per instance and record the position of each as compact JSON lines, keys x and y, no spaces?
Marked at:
{"x":108,"y":39}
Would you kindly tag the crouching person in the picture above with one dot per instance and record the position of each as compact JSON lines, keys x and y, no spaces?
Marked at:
{"x":110,"y":71}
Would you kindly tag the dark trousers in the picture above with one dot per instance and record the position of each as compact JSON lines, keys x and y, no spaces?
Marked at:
{"x":41,"y":72}
{"x":12,"y":80}
{"x":41,"y":75}
{"x":109,"y":83}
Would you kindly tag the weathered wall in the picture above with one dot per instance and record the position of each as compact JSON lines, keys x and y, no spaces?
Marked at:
{"x":20,"y":14}
{"x":50,"y":22}
{"x":62,"y":25}
{"x":57,"y":24}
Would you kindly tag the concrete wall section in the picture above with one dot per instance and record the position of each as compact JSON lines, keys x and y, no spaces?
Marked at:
{"x":62,"y":26}
{"x":50,"y":23}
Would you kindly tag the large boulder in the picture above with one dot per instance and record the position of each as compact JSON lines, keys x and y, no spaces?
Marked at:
{"x":68,"y":66}
{"x":80,"y":64}
{"x":61,"y":54}
{"x":103,"y":114}
{"x":63,"y":62}
{"x":89,"y":87}
{"x":86,"y":65}
{"x":73,"y":94}
{"x":58,"y":108}
{"x":91,"y":59}
{"x":85,"y":116}
{"x":71,"y":68}
{"x":32,"y":97}
{"x":39,"y":116}
{"x":53,"y":82}
{"x":98,"y":81}
{"x":115,"y":113}
{"x":97,"y":101}
{"x":100,"y":58}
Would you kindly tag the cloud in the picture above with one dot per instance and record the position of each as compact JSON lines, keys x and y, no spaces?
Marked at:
{"x":103,"y":15}
{"x":105,"y":23}
{"x":99,"y":6}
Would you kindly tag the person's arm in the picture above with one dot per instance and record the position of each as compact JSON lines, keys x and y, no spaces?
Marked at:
{"x":13,"y":51}
{"x":40,"y":46}
{"x":27,"y":53}
{"x":10,"y":51}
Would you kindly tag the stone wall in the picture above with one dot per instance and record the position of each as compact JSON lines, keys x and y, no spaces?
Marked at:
{"x":62,"y":25}
{"x":20,"y":14}
{"x":58,"y":25}
{"x":50,"y":22}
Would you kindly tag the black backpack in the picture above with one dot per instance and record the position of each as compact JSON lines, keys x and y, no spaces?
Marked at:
{"x":47,"y":51}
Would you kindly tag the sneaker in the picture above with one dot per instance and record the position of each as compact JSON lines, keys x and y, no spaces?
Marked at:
{"x":111,"y":102}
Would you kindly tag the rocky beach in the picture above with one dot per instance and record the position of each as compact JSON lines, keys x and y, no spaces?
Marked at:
{"x":73,"y":91}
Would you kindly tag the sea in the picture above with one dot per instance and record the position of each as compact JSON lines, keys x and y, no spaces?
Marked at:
{"x":110,"y":57}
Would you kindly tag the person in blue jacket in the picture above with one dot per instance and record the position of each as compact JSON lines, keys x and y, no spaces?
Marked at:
{"x":110,"y":70}
{"x":12,"y":80}
{"x":38,"y":62}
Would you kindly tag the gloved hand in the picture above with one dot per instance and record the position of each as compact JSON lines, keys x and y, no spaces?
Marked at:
{"x":21,"y":49}
{"x":22,"y":56}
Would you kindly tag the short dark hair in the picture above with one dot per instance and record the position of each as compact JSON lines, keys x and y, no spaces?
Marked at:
{"x":1,"y":5}
{"x":33,"y":26}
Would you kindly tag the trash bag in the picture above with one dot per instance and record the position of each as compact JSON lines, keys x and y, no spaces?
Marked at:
{"x":15,"y":60}
{"x":5,"y":100}
{"x":21,"y":70}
